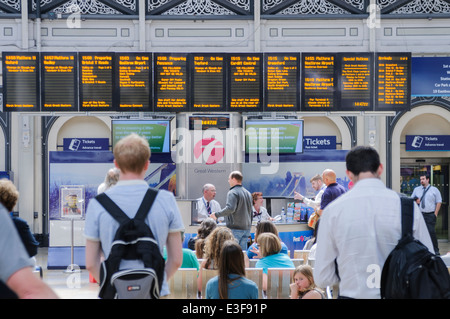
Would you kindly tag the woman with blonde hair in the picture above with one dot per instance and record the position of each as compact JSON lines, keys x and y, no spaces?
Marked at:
{"x":303,"y":286}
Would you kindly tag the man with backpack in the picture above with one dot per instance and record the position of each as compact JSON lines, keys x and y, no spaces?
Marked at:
{"x":131,"y":156}
{"x":360,"y":229}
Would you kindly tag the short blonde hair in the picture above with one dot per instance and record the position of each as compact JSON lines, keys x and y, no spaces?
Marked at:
{"x":132,"y":153}
{"x":9,"y":194}
{"x":269,"y":244}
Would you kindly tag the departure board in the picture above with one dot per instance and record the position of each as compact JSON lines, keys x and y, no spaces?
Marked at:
{"x":171,"y":85}
{"x":282,"y":82}
{"x":318,"y":82}
{"x":355,"y":81}
{"x":59,"y":82}
{"x":245,"y":82}
{"x":21,"y":81}
{"x":393,"y":81}
{"x":208,"y":74}
{"x":96,"y":81}
{"x":133,"y":73}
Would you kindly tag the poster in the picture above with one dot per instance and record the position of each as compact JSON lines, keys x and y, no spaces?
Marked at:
{"x":72,"y":202}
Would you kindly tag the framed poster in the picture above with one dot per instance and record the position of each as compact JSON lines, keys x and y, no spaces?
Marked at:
{"x":72,"y":202}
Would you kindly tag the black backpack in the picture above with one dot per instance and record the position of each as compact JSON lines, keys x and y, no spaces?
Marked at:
{"x":133,"y":240}
{"x":411,"y":271}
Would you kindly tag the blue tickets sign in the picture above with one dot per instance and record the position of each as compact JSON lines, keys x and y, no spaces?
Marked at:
{"x":319,"y":143}
{"x":430,"y":76}
{"x":427,"y":143}
{"x":86,"y":144}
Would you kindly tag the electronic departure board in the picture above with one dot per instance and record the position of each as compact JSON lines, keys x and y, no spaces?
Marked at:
{"x":208,"y":74}
{"x":96,"y":81}
{"x":171,"y":85}
{"x":355,"y":81}
{"x":393,"y":81}
{"x":21,"y":81}
{"x":59,"y":81}
{"x":319,"y":82}
{"x":245,"y":82}
{"x":282,"y":82}
{"x":133,"y":74}
{"x":204,"y":122}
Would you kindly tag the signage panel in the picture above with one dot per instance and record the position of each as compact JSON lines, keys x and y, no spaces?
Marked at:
{"x":430,"y":76}
{"x":21,"y":81}
{"x":96,"y":81}
{"x":282,"y":82}
{"x":319,"y":143}
{"x":133,"y":73}
{"x":171,"y":82}
{"x":86,"y":144}
{"x":59,"y":83}
{"x":423,"y":143}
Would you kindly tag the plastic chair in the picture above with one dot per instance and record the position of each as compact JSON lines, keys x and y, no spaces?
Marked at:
{"x":255,"y":275}
{"x":183,"y":284}
{"x":278,"y":282}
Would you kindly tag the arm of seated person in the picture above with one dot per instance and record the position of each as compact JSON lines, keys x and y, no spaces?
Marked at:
{"x":312,"y":294}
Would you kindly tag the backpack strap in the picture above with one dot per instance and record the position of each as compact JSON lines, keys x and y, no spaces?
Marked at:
{"x":407,"y":215}
{"x":119,"y":215}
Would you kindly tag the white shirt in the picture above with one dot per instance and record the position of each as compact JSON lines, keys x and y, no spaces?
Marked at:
{"x":317,"y":200}
{"x":202,"y":212}
{"x":431,"y":198}
{"x":359,"y":230}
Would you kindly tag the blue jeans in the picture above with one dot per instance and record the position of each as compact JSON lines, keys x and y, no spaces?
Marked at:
{"x":241,"y":236}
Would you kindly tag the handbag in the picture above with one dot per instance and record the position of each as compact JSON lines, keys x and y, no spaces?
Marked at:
{"x":312,"y":221}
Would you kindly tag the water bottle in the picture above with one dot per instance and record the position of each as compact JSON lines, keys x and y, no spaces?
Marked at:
{"x":283,"y":215}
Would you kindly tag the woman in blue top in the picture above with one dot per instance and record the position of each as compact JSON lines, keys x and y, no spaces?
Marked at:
{"x":271,"y":257}
{"x":265,"y":226}
{"x":231,"y":282}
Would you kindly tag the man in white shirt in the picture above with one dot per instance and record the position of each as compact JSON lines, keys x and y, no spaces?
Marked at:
{"x":360,"y":229}
{"x":206,"y":205}
{"x":429,"y":200}
{"x":318,"y":185}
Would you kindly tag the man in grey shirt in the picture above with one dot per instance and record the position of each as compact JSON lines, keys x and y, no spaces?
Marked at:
{"x":238,"y":209}
{"x":15,"y":264}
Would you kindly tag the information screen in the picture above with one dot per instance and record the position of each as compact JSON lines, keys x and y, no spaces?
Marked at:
{"x":133,"y":81}
{"x":171,"y":85}
{"x":59,"y":82}
{"x":355,"y":81}
{"x":393,"y":81}
{"x":319,"y":82}
{"x":282,"y":82}
{"x":96,"y":81}
{"x":246,"y":83}
{"x":208,"y":73}
{"x":21,"y":81}
{"x":204,"y":122}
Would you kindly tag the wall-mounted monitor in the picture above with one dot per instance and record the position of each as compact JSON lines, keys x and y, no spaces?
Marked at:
{"x":271,"y":136}
{"x":157,"y":132}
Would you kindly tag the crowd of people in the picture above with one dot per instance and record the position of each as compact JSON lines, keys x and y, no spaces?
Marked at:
{"x":367,"y":219}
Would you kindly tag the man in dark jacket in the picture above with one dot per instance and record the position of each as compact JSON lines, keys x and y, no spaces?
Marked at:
{"x":238,"y":209}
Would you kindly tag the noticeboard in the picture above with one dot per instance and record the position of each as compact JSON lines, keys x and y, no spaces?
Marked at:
{"x":319,"y":82}
{"x":245,"y":87}
{"x":393,"y":81}
{"x":208,"y":73}
{"x":21,"y":81}
{"x":133,"y":73}
{"x":59,"y":81}
{"x":282,"y":81}
{"x":96,"y":81}
{"x":171,"y":82}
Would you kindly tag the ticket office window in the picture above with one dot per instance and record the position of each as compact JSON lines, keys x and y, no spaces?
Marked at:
{"x":439,"y":177}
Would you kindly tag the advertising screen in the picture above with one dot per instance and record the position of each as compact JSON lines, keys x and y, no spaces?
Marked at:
{"x":157,"y":132}
{"x":271,"y":136}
